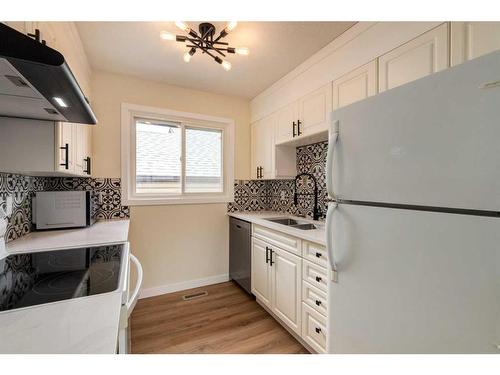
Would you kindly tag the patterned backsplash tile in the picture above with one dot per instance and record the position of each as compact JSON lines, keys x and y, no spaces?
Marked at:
{"x":277,"y":195}
{"x":23,"y":188}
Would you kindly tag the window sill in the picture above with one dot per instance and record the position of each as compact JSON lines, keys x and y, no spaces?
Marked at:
{"x":143,"y":201}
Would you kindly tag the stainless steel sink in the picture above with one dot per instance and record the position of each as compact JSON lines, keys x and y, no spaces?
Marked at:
{"x":307,"y":226}
{"x":284,"y":221}
{"x":303,"y":225}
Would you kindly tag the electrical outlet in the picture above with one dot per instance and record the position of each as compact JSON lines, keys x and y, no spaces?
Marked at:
{"x":10,"y":205}
{"x":283,"y":195}
{"x":7,"y":205}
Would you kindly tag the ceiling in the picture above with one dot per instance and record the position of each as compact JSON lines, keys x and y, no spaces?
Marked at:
{"x":276,"y":48}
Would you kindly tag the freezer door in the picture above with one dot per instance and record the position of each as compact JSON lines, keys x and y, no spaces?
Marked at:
{"x":414,"y":282}
{"x":432,"y":142}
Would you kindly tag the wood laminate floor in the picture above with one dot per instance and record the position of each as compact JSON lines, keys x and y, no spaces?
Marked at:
{"x":226,"y":321}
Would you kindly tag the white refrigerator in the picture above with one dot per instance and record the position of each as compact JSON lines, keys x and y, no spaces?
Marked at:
{"x":414,"y":233}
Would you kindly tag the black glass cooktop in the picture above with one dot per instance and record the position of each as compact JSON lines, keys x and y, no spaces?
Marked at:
{"x":37,"y":278}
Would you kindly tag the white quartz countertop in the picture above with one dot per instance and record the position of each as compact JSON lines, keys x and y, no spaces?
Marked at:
{"x":105,"y":232}
{"x":259,"y":218}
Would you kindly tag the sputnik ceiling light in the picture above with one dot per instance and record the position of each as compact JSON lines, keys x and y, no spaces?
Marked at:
{"x":206,"y":42}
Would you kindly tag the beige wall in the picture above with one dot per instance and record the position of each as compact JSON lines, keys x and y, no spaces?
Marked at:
{"x":175,"y":243}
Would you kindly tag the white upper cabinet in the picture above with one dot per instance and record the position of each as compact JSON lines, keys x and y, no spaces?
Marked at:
{"x":73,"y":149}
{"x":473,"y":39}
{"x":355,"y":85}
{"x":286,"y":127}
{"x":421,"y":56}
{"x":65,"y":147}
{"x":314,"y":111}
{"x":262,"y":139}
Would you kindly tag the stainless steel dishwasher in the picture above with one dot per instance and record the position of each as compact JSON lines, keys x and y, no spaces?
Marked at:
{"x":240,"y":261}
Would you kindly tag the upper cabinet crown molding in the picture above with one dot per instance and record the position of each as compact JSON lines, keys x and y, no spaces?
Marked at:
{"x":421,"y":56}
{"x":473,"y":39}
{"x":354,"y":86}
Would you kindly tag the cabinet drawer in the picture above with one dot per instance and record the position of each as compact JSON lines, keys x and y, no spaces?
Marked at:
{"x":314,"y":328}
{"x":281,"y":240}
{"x":314,"y":274}
{"x":315,"y":253}
{"x":314,"y":297}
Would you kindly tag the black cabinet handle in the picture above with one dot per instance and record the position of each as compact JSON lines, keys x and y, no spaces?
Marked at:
{"x":259,"y":172}
{"x":267,"y":254}
{"x":37,"y":36}
{"x":318,"y":302}
{"x":298,"y":127}
{"x":88,"y":162}
{"x":318,"y":255}
{"x":318,"y":330}
{"x":318,"y":279}
{"x":271,"y":262}
{"x":293,"y":129}
{"x":66,"y":156}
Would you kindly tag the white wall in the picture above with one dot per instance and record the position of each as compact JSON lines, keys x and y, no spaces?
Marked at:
{"x":360,"y":44}
{"x":175,"y":243}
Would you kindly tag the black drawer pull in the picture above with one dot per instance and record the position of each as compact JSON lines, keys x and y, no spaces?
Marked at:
{"x":318,"y":302}
{"x":318,"y":279}
{"x":267,"y":254}
{"x":318,"y":330}
{"x":318,"y":255}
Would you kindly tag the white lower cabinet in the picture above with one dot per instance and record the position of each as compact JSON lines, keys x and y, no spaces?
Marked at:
{"x":286,"y":287}
{"x":261,"y":271}
{"x":276,"y":281}
{"x":314,"y":329}
{"x":292,"y":288}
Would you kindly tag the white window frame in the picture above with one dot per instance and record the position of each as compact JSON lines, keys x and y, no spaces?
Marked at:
{"x":129,"y":112}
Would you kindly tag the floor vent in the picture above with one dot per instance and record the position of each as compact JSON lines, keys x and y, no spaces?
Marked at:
{"x":189,"y":297}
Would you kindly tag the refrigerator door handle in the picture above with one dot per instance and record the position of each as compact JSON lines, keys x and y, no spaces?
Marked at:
{"x":329,"y":240}
{"x":332,"y":140}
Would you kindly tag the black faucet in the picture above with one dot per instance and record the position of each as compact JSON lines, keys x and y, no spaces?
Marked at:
{"x":316,"y":211}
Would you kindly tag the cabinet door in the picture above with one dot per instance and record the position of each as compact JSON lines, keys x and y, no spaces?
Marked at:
{"x":284,"y":123}
{"x":65,"y":150}
{"x":261,"y":272}
{"x":424,"y":55}
{"x":355,"y":85}
{"x":314,"y":110}
{"x":286,"y":288}
{"x":263,"y":146}
{"x":473,"y":39}
{"x":80,"y":143}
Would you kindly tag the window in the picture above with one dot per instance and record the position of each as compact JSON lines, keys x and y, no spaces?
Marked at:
{"x":171,"y":157}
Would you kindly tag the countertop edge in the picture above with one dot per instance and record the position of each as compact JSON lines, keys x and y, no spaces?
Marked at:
{"x":102,"y":233}
{"x":317,"y":236}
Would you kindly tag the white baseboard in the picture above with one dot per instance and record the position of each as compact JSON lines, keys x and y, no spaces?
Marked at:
{"x":176,"y":287}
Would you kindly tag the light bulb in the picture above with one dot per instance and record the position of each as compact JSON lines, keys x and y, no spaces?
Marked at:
{"x":187,"y":57}
{"x":182,"y":25}
{"x":165,"y":35}
{"x":231,"y":26}
{"x":242,"y":51}
{"x":226,"y":65}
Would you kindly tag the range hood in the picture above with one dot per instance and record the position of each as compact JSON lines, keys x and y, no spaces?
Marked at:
{"x":36,"y":82}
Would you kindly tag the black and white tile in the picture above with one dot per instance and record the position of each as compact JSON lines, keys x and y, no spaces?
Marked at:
{"x":277,"y":195}
{"x":23,"y":188}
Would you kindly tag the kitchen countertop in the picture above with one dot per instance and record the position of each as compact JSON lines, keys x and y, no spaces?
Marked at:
{"x":105,"y":232}
{"x":258,"y":217}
